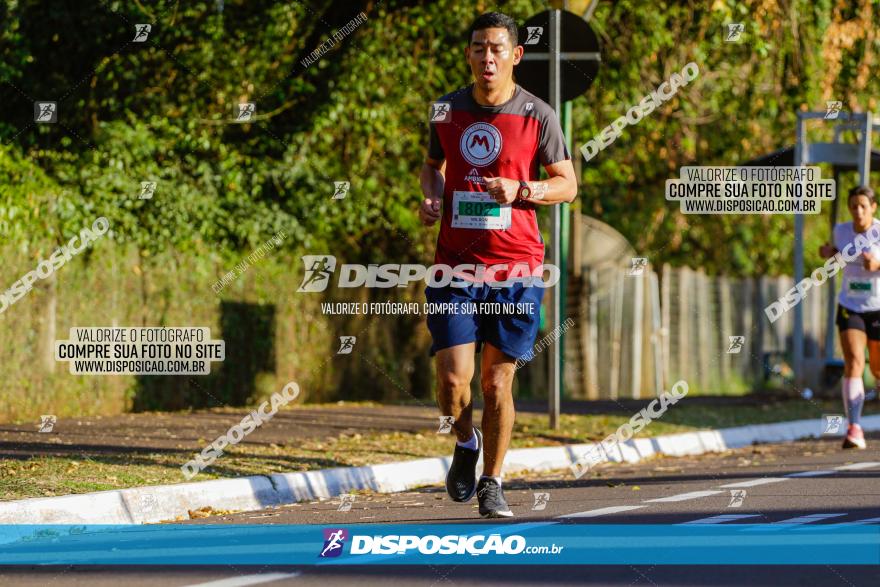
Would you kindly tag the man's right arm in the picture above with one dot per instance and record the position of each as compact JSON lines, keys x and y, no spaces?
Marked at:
{"x":432,"y":181}
{"x":829,"y":249}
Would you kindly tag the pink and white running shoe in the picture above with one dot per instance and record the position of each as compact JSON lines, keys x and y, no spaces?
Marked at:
{"x":855,"y":438}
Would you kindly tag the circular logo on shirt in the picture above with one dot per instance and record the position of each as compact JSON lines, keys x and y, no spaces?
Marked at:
{"x":480,"y":144}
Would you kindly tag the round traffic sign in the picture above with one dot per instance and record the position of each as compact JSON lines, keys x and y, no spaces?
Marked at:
{"x":579,"y":59}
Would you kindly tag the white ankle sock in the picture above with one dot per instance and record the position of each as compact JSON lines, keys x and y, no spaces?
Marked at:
{"x":497,"y":479}
{"x":471,"y":444}
{"x":853,"y":398}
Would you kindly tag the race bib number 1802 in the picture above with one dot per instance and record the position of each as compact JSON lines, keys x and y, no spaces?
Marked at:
{"x":479,"y":210}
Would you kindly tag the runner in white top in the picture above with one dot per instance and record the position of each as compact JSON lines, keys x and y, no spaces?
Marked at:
{"x":860,"y":291}
{"x":858,"y":310}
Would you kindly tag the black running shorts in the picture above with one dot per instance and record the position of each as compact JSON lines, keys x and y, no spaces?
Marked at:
{"x":867,"y":322}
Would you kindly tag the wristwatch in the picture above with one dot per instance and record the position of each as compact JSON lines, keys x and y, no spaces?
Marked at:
{"x":525,"y":192}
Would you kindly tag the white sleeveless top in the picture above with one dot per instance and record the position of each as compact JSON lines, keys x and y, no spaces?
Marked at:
{"x":860,"y":291}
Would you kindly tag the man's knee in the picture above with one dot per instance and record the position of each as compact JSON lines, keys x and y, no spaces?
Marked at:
{"x":454,"y":381}
{"x":855,"y":364}
{"x":495,"y":387}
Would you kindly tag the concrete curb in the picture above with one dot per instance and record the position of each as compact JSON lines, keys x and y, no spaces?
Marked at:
{"x":166,"y":502}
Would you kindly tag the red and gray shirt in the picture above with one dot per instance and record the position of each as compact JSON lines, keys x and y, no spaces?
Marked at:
{"x":510,"y":140}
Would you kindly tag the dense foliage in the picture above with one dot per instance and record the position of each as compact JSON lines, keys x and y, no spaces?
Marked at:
{"x":163,"y":110}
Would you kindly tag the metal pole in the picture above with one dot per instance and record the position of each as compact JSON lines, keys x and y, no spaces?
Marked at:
{"x":588,"y":14}
{"x":656,"y":332}
{"x":564,"y":247}
{"x":800,"y":156}
{"x":831,"y":302}
{"x":637,"y":336}
{"x":555,"y":320}
{"x":865,"y":149}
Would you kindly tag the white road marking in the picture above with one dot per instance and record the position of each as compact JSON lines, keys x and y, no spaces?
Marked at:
{"x":858,"y":466}
{"x":247,"y":580}
{"x":798,"y":521}
{"x":603,"y":511}
{"x":722,"y":519}
{"x":754,"y":482}
{"x":684,"y":496}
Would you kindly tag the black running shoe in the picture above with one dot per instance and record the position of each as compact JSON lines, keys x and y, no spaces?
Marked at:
{"x":461,"y":480}
{"x":491,"y":498}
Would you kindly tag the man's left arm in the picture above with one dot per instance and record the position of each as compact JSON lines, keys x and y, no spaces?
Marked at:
{"x":560,"y":187}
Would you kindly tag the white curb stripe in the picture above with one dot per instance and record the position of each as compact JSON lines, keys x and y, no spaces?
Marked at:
{"x":857,"y":466}
{"x":684,"y":496}
{"x":603,"y":511}
{"x":167,"y":502}
{"x":754,"y":482}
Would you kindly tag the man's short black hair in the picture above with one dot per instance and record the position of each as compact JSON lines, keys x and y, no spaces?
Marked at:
{"x":862,"y":190}
{"x":495,"y":20}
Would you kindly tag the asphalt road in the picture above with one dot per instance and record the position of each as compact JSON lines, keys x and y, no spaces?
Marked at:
{"x":808,"y":482}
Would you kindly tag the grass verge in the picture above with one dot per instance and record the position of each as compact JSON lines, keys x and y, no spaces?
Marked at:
{"x":42,"y":476}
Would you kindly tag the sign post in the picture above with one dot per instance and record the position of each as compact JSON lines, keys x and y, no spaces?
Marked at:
{"x":561,"y":61}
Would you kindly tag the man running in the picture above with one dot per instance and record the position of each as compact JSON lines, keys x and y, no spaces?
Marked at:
{"x":480,"y":179}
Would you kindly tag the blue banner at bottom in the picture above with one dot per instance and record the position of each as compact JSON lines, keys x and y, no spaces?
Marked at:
{"x":542,"y":543}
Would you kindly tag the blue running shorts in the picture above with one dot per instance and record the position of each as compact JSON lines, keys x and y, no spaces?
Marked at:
{"x":471,"y":314}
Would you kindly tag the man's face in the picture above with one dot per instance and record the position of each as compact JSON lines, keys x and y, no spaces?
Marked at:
{"x":492,"y":56}
{"x":862,"y":209}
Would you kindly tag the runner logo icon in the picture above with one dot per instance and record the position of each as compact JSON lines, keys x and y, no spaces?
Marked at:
{"x":832,"y":109}
{"x":737,"y":496}
{"x":534,"y":35}
{"x":346,"y":345}
{"x":638,"y":265}
{"x":47,"y":423}
{"x":334,"y":541}
{"x":446,"y":423}
{"x":45,"y":112}
{"x":833,"y":423}
{"x":141,"y":32}
{"x":480,"y":144}
{"x":318,"y":271}
{"x":736,"y":344}
{"x":734,"y":31}
{"x":441,"y":111}
{"x":541,"y":500}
